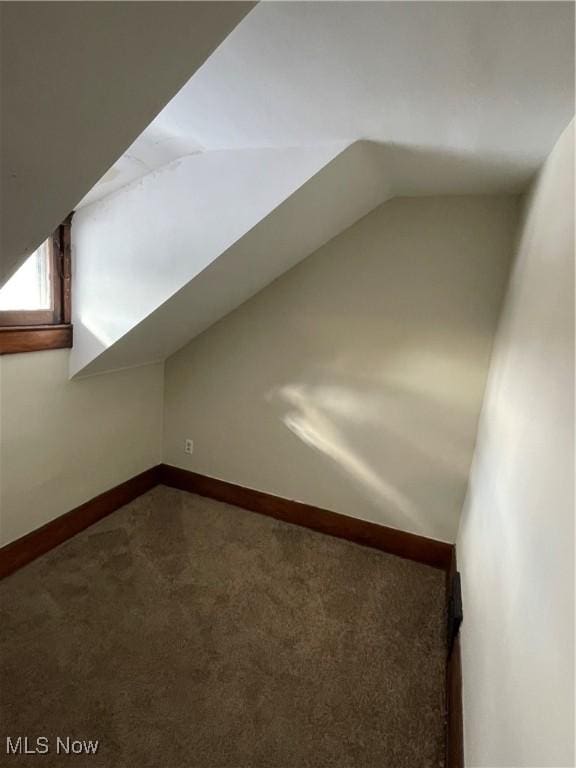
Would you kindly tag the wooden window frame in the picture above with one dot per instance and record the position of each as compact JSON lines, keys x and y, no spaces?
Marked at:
{"x":34,"y":330}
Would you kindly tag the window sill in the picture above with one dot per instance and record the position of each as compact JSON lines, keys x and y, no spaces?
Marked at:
{"x":33,"y":338}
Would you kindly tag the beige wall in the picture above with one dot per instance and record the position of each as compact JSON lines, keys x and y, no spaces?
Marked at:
{"x":63,"y":442}
{"x":354,"y":381}
{"x":516,"y":539}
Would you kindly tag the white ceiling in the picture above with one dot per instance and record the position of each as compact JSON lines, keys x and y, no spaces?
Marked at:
{"x":490,"y":82}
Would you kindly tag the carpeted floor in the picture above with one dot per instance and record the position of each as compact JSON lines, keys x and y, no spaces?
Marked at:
{"x":180,"y":632}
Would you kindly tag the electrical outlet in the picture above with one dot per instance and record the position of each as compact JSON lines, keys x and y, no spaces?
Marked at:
{"x":188,"y":446}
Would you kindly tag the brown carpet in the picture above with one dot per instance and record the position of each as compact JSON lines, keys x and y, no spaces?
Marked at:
{"x":180,"y":632}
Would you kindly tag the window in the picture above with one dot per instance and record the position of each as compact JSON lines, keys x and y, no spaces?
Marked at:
{"x":35,"y":301}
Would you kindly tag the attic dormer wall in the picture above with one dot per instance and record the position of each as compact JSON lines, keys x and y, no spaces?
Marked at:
{"x":355,"y":380}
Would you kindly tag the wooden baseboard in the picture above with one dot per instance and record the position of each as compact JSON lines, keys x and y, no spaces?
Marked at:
{"x":408,"y":545}
{"x":454,"y":720}
{"x":38,"y":542}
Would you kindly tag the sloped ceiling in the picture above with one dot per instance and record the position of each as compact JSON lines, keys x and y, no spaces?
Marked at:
{"x":79,"y":82}
{"x":491,"y":81}
{"x":136,"y":249}
{"x":422,"y":98}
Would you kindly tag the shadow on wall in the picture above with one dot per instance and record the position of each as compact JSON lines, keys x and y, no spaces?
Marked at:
{"x":411,"y":411}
